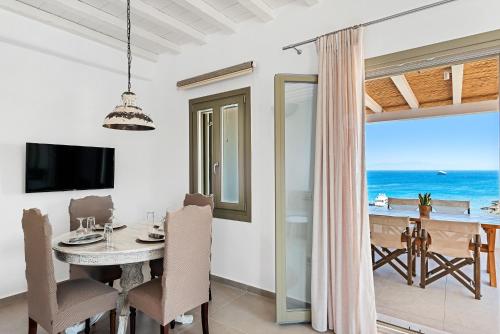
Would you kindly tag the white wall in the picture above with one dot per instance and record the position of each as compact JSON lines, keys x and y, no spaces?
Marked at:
{"x":245,"y":252}
{"x":56,"y":87}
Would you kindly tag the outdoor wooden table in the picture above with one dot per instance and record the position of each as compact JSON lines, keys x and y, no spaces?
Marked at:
{"x":489,"y":223}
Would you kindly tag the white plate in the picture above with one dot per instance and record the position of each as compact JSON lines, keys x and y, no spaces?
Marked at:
{"x":83,"y":240}
{"x":99,"y":227}
{"x":147,"y":238}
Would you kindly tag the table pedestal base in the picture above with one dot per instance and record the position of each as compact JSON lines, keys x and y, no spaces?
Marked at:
{"x":131,"y":277}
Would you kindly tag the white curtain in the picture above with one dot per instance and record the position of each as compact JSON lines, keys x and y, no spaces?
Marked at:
{"x":343,"y":298}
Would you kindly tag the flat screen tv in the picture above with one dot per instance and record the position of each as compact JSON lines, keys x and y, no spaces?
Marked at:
{"x":62,"y":167}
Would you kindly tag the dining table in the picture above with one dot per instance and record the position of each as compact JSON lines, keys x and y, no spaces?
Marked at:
{"x":490,"y":223}
{"x":124,"y":250}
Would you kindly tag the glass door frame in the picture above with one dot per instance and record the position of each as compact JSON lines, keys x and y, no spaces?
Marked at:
{"x":283,"y":315}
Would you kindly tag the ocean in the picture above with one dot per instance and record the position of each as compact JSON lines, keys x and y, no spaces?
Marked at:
{"x":478,"y":187}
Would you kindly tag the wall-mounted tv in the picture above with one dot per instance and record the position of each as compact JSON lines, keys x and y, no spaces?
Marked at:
{"x":62,"y":167}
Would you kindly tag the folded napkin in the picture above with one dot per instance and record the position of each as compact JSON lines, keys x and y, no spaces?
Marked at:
{"x":85,"y":237}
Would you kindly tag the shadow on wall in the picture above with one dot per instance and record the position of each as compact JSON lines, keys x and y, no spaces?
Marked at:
{"x":12,"y":168}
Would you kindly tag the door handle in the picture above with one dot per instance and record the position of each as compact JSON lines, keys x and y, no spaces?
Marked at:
{"x":216,"y":165}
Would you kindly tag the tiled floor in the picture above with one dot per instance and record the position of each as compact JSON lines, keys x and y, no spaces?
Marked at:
{"x":444,"y":305}
{"x":232,"y":311}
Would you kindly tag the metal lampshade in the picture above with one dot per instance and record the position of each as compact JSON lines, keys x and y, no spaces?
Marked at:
{"x":128,"y":116}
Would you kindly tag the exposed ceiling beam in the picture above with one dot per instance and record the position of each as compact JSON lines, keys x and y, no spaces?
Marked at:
{"x":372,"y":104}
{"x":259,"y":8}
{"x":405,"y":90}
{"x":208,"y":13}
{"x":457,"y":80}
{"x":114,"y":21}
{"x":311,"y":2}
{"x":166,"y":21}
{"x":59,"y":22}
{"x":448,"y":110}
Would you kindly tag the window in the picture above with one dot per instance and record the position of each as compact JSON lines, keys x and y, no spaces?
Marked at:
{"x":220,"y":152}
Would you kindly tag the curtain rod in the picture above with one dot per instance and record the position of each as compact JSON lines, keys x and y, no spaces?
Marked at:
{"x":369,"y":23}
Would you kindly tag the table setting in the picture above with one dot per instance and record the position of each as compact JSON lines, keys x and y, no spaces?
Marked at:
{"x":113,"y":244}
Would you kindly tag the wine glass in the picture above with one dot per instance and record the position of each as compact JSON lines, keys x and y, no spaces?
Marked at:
{"x":162,"y":223}
{"x":81,"y":230}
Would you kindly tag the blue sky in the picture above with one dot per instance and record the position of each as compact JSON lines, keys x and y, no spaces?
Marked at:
{"x":468,"y":142}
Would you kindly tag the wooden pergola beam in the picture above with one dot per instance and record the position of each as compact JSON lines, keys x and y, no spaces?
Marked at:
{"x":404,"y":88}
{"x":439,"y":111}
{"x":457,"y":80}
{"x":372,"y":104}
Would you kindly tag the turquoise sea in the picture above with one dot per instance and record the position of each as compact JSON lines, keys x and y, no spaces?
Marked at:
{"x":479,"y":187}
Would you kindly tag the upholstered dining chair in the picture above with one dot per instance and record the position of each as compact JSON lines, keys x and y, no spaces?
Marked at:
{"x":452,"y":245}
{"x":451,"y":207}
{"x":391,"y":237}
{"x":98,"y":207}
{"x":156,"y":266}
{"x":406,"y":204}
{"x":56,"y":306}
{"x":185,"y":280}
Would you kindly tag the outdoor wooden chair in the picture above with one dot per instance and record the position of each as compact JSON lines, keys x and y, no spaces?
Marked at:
{"x":451,"y":207}
{"x":408,"y":204}
{"x":449,"y":244}
{"x":391,"y":237}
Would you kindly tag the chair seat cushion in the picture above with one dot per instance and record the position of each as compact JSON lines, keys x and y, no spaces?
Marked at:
{"x":80,"y":299}
{"x":147,"y":298}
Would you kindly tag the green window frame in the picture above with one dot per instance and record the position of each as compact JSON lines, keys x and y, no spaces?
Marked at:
{"x":220,"y":152}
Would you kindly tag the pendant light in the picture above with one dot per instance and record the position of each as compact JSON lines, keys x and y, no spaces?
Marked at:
{"x":128,"y":116}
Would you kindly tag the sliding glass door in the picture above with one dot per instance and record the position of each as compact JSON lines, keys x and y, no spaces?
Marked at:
{"x":295,"y":104}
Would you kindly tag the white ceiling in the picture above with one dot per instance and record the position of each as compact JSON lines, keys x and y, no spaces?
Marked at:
{"x":158,"y":26}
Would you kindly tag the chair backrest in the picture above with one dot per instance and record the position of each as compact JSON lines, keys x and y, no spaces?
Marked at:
{"x":186,"y":263}
{"x":450,"y":238}
{"x":199,"y":200}
{"x":452,"y":207}
{"x":385,"y":231}
{"x":407,"y":204}
{"x":42,"y":287}
{"x":90,"y":206}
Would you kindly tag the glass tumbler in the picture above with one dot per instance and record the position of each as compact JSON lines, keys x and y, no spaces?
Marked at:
{"x":108,"y":234}
{"x":150,"y":218}
{"x":91,"y":224}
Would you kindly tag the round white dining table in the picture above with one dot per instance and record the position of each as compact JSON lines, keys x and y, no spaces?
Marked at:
{"x":125,"y":251}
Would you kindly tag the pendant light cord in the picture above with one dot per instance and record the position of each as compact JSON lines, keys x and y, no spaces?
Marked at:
{"x":129,"y":53}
